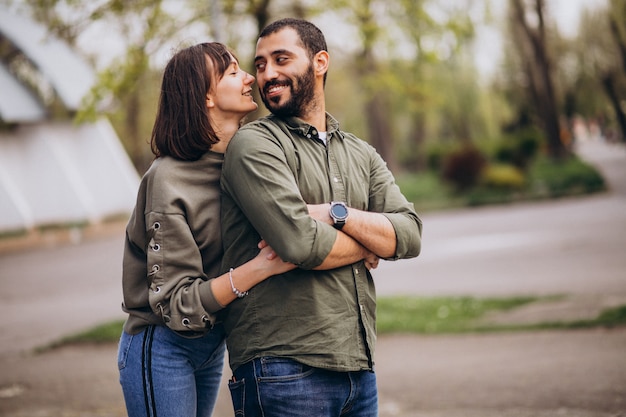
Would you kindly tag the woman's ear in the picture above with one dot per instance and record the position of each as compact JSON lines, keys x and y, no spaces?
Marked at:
{"x":321,"y":62}
{"x":209,"y":101}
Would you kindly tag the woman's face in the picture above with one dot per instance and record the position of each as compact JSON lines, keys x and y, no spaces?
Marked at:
{"x":233,"y":93}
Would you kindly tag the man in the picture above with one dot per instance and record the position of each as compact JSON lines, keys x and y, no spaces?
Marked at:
{"x":302,"y":343}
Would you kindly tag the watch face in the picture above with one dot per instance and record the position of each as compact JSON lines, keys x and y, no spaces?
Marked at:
{"x":339,"y":211}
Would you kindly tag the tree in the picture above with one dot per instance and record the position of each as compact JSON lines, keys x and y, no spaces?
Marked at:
{"x":614,"y":81}
{"x":597,"y":87}
{"x":535,"y":57}
{"x":422,"y":84}
{"x":389,"y":89}
{"x":377,"y":118}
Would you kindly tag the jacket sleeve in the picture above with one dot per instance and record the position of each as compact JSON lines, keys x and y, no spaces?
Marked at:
{"x":176,"y":278}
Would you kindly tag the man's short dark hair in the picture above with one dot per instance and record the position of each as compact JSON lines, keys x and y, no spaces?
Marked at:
{"x":311,"y":36}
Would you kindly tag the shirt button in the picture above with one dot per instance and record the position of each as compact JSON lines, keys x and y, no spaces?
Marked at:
{"x":335,"y":179}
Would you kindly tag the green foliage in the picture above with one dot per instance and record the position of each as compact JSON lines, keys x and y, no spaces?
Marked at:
{"x":498,"y":183}
{"x":503,"y":177}
{"x":427,"y":192}
{"x":519,"y":149}
{"x":557,"y":178}
{"x":436,"y":154}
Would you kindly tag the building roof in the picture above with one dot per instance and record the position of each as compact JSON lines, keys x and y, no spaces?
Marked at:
{"x":69,"y":75}
{"x":17,"y":104}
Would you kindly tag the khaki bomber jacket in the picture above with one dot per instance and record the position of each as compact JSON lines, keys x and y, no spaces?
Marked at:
{"x":272,"y":169}
{"x":173,"y":246}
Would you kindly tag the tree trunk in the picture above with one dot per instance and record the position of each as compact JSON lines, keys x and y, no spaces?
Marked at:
{"x":608,"y":82}
{"x":619,"y":40}
{"x":533,"y":50}
{"x":379,"y":130}
{"x":131,"y":123}
{"x":418,"y":160}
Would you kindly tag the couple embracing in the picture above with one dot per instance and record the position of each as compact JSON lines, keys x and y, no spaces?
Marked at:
{"x":260,"y":238}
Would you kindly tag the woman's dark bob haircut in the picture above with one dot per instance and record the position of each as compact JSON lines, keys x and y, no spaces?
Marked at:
{"x":182,"y":129}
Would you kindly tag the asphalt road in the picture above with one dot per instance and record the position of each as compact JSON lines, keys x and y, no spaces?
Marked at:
{"x":573,"y":246}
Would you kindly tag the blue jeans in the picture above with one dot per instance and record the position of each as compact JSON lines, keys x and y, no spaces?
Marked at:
{"x":278,"y":387}
{"x":166,"y":375}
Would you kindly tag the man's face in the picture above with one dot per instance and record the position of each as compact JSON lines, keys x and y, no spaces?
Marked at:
{"x":285,"y":73}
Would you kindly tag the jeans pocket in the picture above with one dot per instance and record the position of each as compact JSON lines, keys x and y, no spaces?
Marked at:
{"x":283,"y":369}
{"x":288,"y":388}
{"x":237,"y":391}
{"x":123,"y":349}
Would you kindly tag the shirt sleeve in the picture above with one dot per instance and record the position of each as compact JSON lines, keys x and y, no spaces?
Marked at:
{"x":386,"y":198}
{"x":179,"y":290}
{"x":258,"y":178}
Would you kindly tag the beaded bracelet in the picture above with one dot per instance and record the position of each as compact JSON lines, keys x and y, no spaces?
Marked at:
{"x":239,"y":294}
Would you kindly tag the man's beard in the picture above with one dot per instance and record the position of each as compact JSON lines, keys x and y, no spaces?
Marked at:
{"x":301,"y":96}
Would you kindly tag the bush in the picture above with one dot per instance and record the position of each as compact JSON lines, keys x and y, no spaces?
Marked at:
{"x":501,"y":184}
{"x":519,"y":149}
{"x":503,"y":177}
{"x":436,"y":154}
{"x":464,"y":167}
{"x":570,"y":176}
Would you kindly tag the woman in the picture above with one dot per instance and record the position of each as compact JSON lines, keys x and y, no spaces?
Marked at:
{"x":171,"y":352}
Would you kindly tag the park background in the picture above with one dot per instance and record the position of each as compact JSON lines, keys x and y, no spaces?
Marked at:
{"x":472,"y":103}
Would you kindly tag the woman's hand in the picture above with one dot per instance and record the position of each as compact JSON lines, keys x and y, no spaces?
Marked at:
{"x":273,"y":263}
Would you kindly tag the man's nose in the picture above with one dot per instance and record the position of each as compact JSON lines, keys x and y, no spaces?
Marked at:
{"x":270,"y":72}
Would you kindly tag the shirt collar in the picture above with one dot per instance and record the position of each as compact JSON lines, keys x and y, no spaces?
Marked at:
{"x":306,"y":130}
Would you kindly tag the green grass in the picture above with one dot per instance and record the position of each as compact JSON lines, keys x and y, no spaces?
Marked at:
{"x":438,"y":315}
{"x":104,"y":333}
{"x":461,"y":315}
{"x":414,"y":315}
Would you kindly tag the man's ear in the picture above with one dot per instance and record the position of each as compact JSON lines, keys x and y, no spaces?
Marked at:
{"x":321,"y":62}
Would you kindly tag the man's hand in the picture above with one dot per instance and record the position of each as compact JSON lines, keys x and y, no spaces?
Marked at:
{"x":371,"y":261}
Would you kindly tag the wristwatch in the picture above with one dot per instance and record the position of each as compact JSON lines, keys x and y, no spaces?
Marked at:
{"x":339,"y":213}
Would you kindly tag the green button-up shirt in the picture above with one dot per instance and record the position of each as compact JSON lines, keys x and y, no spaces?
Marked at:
{"x":326,"y":319}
